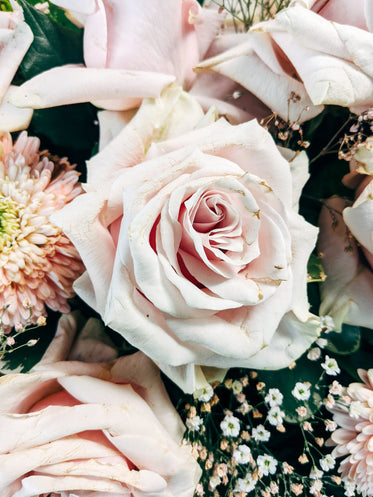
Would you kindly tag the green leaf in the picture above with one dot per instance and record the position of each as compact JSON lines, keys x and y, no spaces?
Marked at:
{"x":5,"y":6}
{"x":53,"y":45}
{"x":69,"y":130}
{"x":346,"y":342}
{"x":315,"y":269}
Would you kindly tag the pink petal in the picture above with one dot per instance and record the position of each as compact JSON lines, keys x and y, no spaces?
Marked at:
{"x":73,"y":84}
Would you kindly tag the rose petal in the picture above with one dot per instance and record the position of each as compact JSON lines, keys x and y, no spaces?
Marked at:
{"x":348,"y":282}
{"x":74,"y":84}
{"x":12,"y":118}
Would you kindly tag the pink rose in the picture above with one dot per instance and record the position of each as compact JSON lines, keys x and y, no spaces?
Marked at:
{"x":346,"y":245}
{"x":194,"y":248}
{"x":73,"y":428}
{"x":129,"y":56}
{"x":300,"y":61}
{"x":16,"y":37}
{"x":359,"y":14}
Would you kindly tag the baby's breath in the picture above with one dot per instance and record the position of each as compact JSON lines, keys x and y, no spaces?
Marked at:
{"x":249,"y":442}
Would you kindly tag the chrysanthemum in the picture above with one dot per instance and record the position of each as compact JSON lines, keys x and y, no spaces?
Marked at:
{"x":354,"y":438}
{"x":38,"y":264}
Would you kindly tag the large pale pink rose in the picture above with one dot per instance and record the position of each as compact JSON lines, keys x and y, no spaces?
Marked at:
{"x":16,"y":37}
{"x":194,"y":248}
{"x":300,"y":60}
{"x":73,"y":428}
{"x":133,"y":50}
{"x":346,"y":244}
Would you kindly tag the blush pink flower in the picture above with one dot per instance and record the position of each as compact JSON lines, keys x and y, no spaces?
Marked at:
{"x":129,"y":56}
{"x":202,"y":254}
{"x":359,"y":14}
{"x":75,"y":428}
{"x":300,"y":61}
{"x":346,"y":245}
{"x":38,"y":264}
{"x":354,"y":437}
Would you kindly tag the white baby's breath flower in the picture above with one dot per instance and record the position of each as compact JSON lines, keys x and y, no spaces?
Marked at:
{"x":316,"y":487}
{"x":266,"y":464}
{"x":246,"y":484}
{"x":194,"y":423}
{"x":331,"y":366}
{"x":237,"y":387}
{"x":204,"y":394}
{"x":244,"y":408}
{"x":242,"y":454}
{"x":336,"y":388}
{"x":273,"y":488}
{"x":316,"y":474}
{"x":301,"y":411}
{"x":349,"y":487}
{"x":230,"y":426}
{"x":275,"y":416}
{"x":214,"y":482}
{"x":260,"y":434}
{"x":322,"y":342}
{"x":301,"y":391}
{"x":199,"y":490}
{"x":314,"y":354}
{"x":330,"y":425}
{"x":329,"y":402}
{"x":274,"y":397}
{"x":327,"y":462}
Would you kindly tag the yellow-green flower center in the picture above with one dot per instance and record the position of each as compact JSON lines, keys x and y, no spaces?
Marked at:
{"x":9,"y":224}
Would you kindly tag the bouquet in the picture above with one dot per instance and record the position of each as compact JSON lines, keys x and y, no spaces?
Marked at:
{"x":186,"y":234}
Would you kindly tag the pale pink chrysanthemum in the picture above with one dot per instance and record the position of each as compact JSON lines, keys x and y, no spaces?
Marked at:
{"x":38,"y":263}
{"x":354,"y":438}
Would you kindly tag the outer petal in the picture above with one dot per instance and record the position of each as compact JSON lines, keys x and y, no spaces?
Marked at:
{"x":243,"y":65}
{"x":14,"y":44}
{"x":359,"y":218}
{"x":12,"y":118}
{"x":348,"y":290}
{"x":74,"y":84}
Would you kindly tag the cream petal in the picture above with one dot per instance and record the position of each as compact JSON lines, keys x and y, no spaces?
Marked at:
{"x":88,"y":210}
{"x":144,"y":326}
{"x":368,"y":11}
{"x":248,"y":69}
{"x":304,"y":237}
{"x":327,"y":78}
{"x":61,"y":344}
{"x":14,"y":45}
{"x":143,"y":480}
{"x":346,"y":293}
{"x":359,"y":44}
{"x":140,"y":370}
{"x":173,"y":113}
{"x":39,"y":485}
{"x":19,"y":392}
{"x":291,"y":339}
{"x":111,"y":123}
{"x":359,"y":218}
{"x":13,"y":118}
{"x":16,"y":464}
{"x":74,"y":84}
{"x":298,"y":162}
